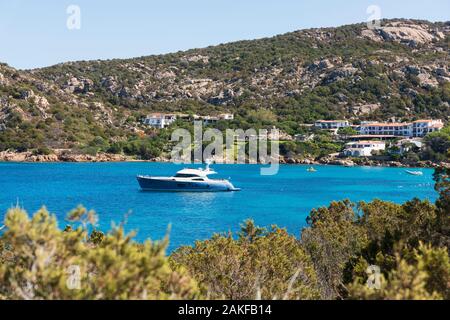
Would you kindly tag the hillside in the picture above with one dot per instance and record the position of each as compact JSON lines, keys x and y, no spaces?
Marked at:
{"x":400,"y":70}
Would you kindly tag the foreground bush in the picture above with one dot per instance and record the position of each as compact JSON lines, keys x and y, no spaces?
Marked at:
{"x":422,"y":275}
{"x":409,"y":243}
{"x":39,"y":261}
{"x":258,"y":264}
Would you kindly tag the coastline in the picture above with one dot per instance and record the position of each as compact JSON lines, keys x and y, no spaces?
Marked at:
{"x":366,"y":162}
{"x":64,"y":156}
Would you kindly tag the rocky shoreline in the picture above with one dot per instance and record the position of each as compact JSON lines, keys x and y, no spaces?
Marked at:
{"x":8,"y":156}
{"x":365,"y":162}
{"x":66,"y":156}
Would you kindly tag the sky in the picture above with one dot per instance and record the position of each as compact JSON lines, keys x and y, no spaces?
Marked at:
{"x":45,"y":32}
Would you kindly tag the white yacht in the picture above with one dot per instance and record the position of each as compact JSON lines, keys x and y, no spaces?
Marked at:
{"x":186,"y":180}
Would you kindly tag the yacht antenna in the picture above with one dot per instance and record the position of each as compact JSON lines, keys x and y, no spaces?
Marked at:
{"x":208,"y":163}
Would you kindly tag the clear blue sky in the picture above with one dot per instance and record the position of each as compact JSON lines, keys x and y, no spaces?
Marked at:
{"x":33,"y":33}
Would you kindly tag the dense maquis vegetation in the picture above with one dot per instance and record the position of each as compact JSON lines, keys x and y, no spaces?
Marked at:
{"x":438,"y":145}
{"x":38,"y":260}
{"x":409,"y":243}
{"x":283,"y":81}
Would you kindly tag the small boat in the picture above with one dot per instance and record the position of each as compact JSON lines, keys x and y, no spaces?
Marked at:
{"x":311,"y":169}
{"x":349,"y":164}
{"x":414,"y":173}
{"x":186,"y":180}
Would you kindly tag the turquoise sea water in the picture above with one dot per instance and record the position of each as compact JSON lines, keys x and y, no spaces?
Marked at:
{"x":284,"y":199}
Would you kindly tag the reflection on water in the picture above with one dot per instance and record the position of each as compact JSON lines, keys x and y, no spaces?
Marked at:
{"x":192,"y":198}
{"x":203,"y":198}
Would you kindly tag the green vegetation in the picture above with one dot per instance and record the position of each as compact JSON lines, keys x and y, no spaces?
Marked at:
{"x":436,"y":148}
{"x":268,"y":82}
{"x":39,"y":261}
{"x":321,"y":145}
{"x":438,"y":145}
{"x":409,"y":243}
{"x":347,"y":131}
{"x":258,"y":264}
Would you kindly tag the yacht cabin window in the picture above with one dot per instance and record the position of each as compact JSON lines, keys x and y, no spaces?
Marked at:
{"x":184,"y":175}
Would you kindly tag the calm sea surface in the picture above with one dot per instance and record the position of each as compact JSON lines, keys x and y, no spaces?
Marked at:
{"x":284,"y":199}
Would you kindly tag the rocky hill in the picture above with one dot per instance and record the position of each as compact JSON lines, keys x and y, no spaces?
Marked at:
{"x":399,"y":70}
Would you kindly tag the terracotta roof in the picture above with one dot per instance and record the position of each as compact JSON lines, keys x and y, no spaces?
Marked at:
{"x":361,"y":136}
{"x":159,"y":114}
{"x":367,"y":141}
{"x":330,"y":121}
{"x":425,"y":120}
{"x":379,"y":124}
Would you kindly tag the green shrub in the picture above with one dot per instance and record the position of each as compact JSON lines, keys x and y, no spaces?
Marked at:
{"x":39,"y":261}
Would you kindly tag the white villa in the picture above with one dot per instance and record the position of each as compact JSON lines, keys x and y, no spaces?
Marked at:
{"x":160,"y":120}
{"x":415,"y":129}
{"x":418,"y":128}
{"x":214,"y":119}
{"x":407,"y":144}
{"x":331,"y":124}
{"x":226,"y":116}
{"x":363,"y":148}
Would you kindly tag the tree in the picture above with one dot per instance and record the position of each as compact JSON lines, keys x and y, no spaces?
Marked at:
{"x":422,"y":274}
{"x":258,"y":264}
{"x":347,"y":131}
{"x":39,"y":261}
{"x":442,"y":186}
{"x":332,"y":239}
{"x":438,"y":144}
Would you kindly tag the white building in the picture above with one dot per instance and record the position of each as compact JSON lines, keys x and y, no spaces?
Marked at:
{"x":304,"y":137}
{"x":331,"y":124}
{"x":363,"y":148}
{"x":421,"y":128}
{"x":207,"y":120}
{"x":405,"y":145}
{"x":418,"y":128}
{"x":160,"y":120}
{"x":226,"y":116}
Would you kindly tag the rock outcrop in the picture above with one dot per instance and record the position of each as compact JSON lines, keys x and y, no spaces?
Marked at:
{"x":406,"y":32}
{"x":10,"y":156}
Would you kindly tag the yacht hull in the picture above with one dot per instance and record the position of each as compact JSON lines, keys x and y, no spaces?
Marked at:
{"x":172,"y":185}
